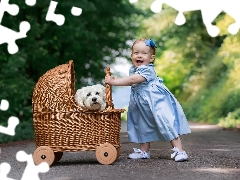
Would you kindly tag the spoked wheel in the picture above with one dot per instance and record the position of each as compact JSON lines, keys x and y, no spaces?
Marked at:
{"x":106,"y":153}
{"x":58,"y":156}
{"x":43,"y":154}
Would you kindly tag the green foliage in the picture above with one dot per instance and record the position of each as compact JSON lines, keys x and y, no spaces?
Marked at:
{"x":183,"y":52}
{"x":93,"y":40}
{"x":17,"y":87}
{"x":124,"y":114}
{"x":221,"y":89}
{"x":232,"y":120}
{"x":201,"y":71}
{"x":206,"y":106}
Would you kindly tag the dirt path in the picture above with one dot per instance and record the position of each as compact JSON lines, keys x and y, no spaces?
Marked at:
{"x":214,"y":154}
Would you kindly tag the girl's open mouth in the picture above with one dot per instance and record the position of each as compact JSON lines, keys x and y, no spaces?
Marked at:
{"x":139,"y":61}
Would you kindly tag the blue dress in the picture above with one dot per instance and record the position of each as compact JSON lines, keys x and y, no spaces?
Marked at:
{"x":153,"y":113}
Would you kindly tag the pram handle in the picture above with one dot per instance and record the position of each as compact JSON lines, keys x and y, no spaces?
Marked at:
{"x":109,"y":102}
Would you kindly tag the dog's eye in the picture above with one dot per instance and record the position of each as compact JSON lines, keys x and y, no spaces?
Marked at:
{"x":88,"y":94}
{"x":97,"y":93}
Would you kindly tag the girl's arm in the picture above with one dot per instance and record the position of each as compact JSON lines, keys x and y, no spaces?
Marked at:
{"x":125,"y":81}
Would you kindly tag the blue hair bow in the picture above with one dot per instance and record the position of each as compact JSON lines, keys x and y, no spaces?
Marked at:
{"x":151,"y":43}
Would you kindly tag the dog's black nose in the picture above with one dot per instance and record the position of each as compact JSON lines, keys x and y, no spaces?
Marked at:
{"x":94,"y":99}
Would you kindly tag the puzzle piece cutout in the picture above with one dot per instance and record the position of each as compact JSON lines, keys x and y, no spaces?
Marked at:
{"x":12,"y":121}
{"x":76,"y":11}
{"x":31,"y":171}
{"x":12,"y":9}
{"x":59,"y":19}
{"x":4,"y":170}
{"x":7,"y":35}
{"x":4,"y":105}
{"x":30,"y":2}
{"x":209,"y":9}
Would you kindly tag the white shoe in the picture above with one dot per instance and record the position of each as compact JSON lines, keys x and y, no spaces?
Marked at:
{"x":139,"y":154}
{"x":179,"y":156}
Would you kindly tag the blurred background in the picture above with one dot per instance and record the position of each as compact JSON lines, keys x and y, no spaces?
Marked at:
{"x":201,"y":71}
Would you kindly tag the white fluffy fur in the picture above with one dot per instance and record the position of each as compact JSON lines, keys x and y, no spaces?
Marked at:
{"x":91,"y":97}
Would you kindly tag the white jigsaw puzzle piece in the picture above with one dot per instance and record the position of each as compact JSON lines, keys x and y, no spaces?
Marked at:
{"x":31,"y":171}
{"x":76,"y":11}
{"x":30,"y":2}
{"x":209,"y":9}
{"x":12,"y":123}
{"x":4,"y":170}
{"x":59,"y":19}
{"x":206,"y":7}
{"x":7,"y":35}
{"x":12,"y":9}
{"x":4,"y":105}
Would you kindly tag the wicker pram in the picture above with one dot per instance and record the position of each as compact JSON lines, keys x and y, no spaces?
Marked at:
{"x":60,"y":125}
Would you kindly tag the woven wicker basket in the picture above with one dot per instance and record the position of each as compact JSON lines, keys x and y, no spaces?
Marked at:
{"x":60,"y":125}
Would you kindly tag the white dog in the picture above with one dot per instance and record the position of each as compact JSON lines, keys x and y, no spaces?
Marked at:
{"x":91,"y":97}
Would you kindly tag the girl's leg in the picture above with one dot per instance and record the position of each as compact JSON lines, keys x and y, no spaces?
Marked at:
{"x":145,"y":146}
{"x":178,"y":153}
{"x":177,"y":143}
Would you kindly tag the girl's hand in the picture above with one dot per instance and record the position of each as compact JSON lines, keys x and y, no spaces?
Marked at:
{"x":109,"y":80}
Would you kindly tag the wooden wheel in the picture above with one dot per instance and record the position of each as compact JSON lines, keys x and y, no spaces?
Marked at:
{"x":58,"y":156}
{"x":118,"y":151}
{"x":43,"y":154}
{"x":106,"y":153}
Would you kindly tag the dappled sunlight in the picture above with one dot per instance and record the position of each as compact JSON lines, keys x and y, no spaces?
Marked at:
{"x":234,"y":145}
{"x":217,"y":170}
{"x":225,"y":150}
{"x":203,"y":126}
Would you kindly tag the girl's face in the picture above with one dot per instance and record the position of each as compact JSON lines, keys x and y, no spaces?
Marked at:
{"x":141,"y":54}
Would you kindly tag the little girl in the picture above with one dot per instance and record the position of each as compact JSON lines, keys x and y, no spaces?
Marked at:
{"x":153,"y":113}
